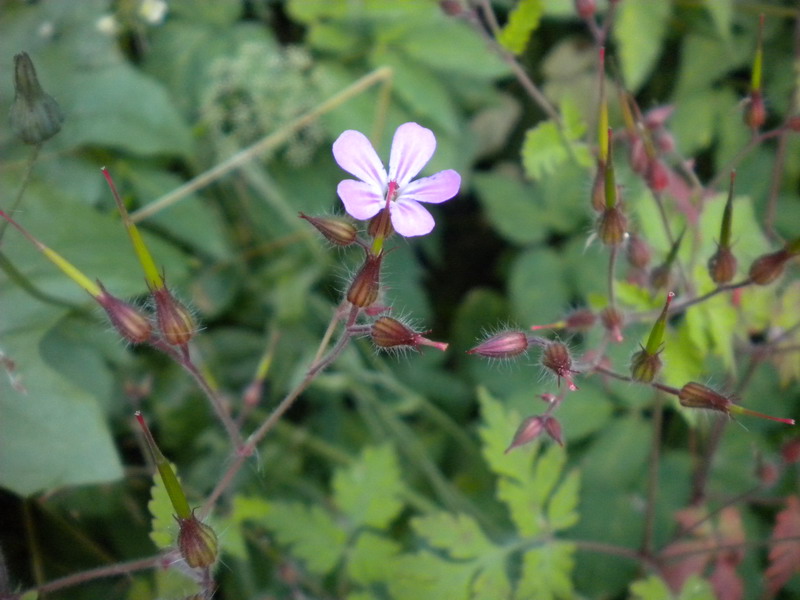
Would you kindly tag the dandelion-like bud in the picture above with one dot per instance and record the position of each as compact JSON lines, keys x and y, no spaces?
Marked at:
{"x":175,"y":321}
{"x":197,"y":543}
{"x":769,"y":267}
{"x":336,"y":231}
{"x":556,"y":358}
{"x":35,"y":116}
{"x":366,"y":285}
{"x":612,"y":225}
{"x":387,"y":332}
{"x":506,"y":344}
{"x":126,"y":319}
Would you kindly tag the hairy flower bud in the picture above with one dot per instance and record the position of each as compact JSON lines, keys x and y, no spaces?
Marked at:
{"x":556,"y":358}
{"x":387,"y":332}
{"x":506,"y":344}
{"x":35,"y":116}
{"x":638,"y":252}
{"x":582,"y":319}
{"x":366,"y":285}
{"x":126,"y":319}
{"x":612,"y":225}
{"x":197,"y":543}
{"x":696,"y":395}
{"x":336,"y":231}
{"x":645,"y":366}
{"x":769,"y":267}
{"x":722,"y":266}
{"x":175,"y":321}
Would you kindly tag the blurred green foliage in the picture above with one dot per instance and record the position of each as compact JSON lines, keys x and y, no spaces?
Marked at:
{"x":389,"y":479}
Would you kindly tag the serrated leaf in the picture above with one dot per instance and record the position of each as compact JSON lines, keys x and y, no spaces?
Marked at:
{"x":368,"y":491}
{"x":547,"y":572}
{"x":562,"y":510}
{"x":369,"y":556}
{"x":522,"y":22}
{"x":543,"y":150}
{"x":652,"y":588}
{"x":426,"y":576}
{"x":310,"y":532}
{"x":458,"y":534}
{"x":639,"y":31}
{"x":244,"y":508}
{"x":496,"y":432}
{"x":163,"y":527}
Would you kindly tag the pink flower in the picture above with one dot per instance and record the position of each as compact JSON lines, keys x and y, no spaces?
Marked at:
{"x":412,"y":148}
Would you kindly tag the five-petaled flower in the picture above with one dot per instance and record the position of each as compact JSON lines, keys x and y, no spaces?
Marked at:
{"x":412,"y":148}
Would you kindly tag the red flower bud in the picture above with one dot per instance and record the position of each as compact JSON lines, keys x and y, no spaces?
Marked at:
{"x":612,"y":320}
{"x":553,"y":429}
{"x":722,"y":266}
{"x":451,"y":8}
{"x":556,"y":358}
{"x":366,"y":285}
{"x":695,"y":395}
{"x":175,"y":321}
{"x":529,"y":430}
{"x":387,"y":332}
{"x":638,"y":253}
{"x":585,"y":8}
{"x":791,"y":451}
{"x":380,"y":226}
{"x":769,"y":267}
{"x":507,"y":344}
{"x":657,"y":175}
{"x":197,"y":543}
{"x":336,"y":231}
{"x":126,"y":319}
{"x":580,"y":320}
{"x":756,"y":112}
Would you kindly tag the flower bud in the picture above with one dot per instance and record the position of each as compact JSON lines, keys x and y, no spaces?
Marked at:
{"x":599,"y":189}
{"x":661,"y":277}
{"x":175,"y":321}
{"x":506,"y":344}
{"x":529,"y":430}
{"x":722,"y":266}
{"x":35,"y":116}
{"x":612,"y":226}
{"x":769,"y":267}
{"x":452,"y":8}
{"x":755,"y":113}
{"x":387,"y":332}
{"x":553,"y":429}
{"x":638,"y":253}
{"x":380,"y":226}
{"x":612,"y":320}
{"x":126,"y":319}
{"x":556,"y":358}
{"x":695,"y":395}
{"x":657,"y":175}
{"x":790,"y":451}
{"x":580,"y":320}
{"x":197,"y":543}
{"x":336,"y":231}
{"x":366,"y":285}
{"x":585,"y":8}
{"x":645,"y":366}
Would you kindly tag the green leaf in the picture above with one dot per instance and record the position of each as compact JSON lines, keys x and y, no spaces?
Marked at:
{"x":721,"y":12}
{"x":538,"y":292}
{"x":618,"y":456}
{"x":546,"y":572}
{"x":163,"y":527}
{"x":562,"y":510}
{"x":697,"y":588}
{"x":54,"y":434}
{"x":369,"y":556}
{"x":451,"y":46}
{"x":522,"y":22}
{"x":511,"y":207}
{"x":243,"y":509}
{"x":543,"y":150}
{"x":458,"y":534}
{"x":310,"y":532}
{"x":652,"y":588}
{"x":368,"y":491}
{"x":639,"y":30}
{"x":426,"y":576}
{"x":120,"y":107}
{"x":496,"y":433}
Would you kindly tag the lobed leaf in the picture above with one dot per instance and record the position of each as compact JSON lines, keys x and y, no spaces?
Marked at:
{"x":522,"y":22}
{"x":546,"y":572}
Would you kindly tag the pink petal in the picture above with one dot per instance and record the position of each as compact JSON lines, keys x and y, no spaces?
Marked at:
{"x":412,"y":148}
{"x":435,"y":189}
{"x":360,"y":199}
{"x":355,"y":154}
{"x":409,"y":218}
